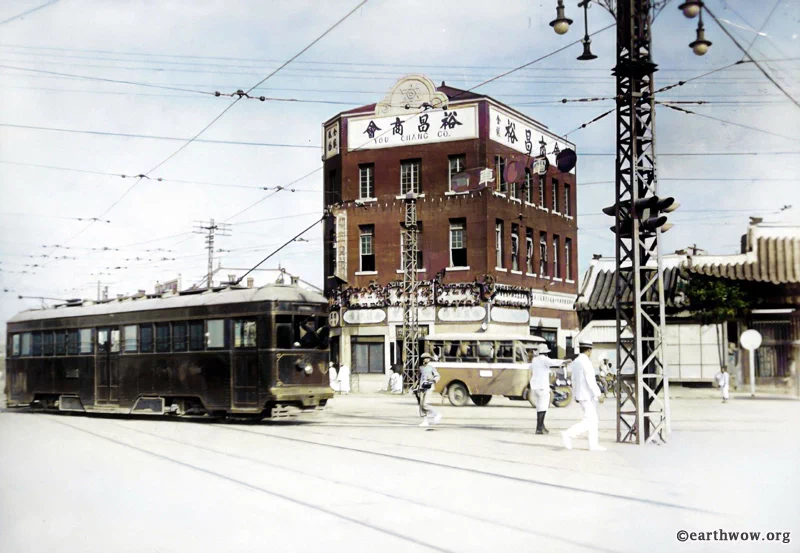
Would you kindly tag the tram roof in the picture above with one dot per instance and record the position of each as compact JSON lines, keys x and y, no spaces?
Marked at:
{"x":220,"y":296}
{"x":482,"y":337}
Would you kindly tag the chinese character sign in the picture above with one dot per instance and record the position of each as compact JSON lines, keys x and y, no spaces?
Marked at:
{"x":432,"y":125}
{"x":510,"y":130}
{"x":331,"y":140}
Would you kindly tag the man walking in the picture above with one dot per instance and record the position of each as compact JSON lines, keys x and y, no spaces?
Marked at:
{"x":724,"y":380}
{"x":428,"y":376}
{"x":541,"y":366}
{"x":587,"y":394}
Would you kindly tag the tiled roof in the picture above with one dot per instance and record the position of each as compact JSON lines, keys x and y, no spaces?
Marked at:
{"x":598,"y":288}
{"x":451,"y":92}
{"x":773,"y":256}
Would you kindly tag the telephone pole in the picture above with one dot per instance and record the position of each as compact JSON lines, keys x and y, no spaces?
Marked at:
{"x":410,"y":293}
{"x":211,"y":229}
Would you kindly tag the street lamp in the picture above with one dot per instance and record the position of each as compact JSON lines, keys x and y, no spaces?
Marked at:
{"x":587,"y":42}
{"x":560,"y":24}
{"x":700,"y":45}
{"x":691,"y":8}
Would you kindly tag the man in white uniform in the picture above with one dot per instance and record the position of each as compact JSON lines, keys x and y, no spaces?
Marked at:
{"x":540,"y":385}
{"x":724,"y":380}
{"x":587,"y":394}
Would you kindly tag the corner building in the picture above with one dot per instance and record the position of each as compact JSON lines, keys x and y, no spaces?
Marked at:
{"x":498,"y":256}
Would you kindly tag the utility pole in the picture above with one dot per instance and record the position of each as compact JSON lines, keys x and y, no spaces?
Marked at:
{"x":410,"y":294}
{"x":211,"y":229}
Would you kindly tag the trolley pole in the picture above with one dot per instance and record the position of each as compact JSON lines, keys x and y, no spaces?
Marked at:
{"x":211,"y":229}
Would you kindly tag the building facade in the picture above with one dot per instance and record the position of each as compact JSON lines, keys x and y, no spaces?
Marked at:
{"x":498,"y":243}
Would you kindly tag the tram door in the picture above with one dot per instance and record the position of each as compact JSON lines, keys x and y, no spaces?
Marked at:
{"x":107,"y":365}
{"x":244,"y":363}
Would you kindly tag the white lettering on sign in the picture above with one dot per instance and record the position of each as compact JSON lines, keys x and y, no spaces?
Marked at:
{"x":364,"y":316}
{"x":331,"y":140}
{"x":433,"y":125}
{"x":523,"y":137}
{"x":341,"y":246}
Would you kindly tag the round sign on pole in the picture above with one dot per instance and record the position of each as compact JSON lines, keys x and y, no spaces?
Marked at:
{"x":750,"y":339}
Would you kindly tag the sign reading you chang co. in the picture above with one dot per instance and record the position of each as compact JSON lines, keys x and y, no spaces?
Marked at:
{"x":434,"y":125}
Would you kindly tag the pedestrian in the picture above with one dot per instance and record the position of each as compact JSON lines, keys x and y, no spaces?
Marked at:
{"x":428,"y":376}
{"x":332,"y":377}
{"x":396,"y":379}
{"x":587,"y":394}
{"x":723,"y":381}
{"x":541,"y":367}
{"x":344,"y":379}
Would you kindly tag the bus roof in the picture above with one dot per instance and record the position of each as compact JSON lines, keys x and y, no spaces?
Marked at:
{"x":482,"y":336}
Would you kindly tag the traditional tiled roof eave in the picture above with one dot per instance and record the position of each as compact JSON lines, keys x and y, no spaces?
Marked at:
{"x":772,"y":259}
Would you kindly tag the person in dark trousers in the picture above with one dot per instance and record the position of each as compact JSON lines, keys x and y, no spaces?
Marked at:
{"x":428,"y":376}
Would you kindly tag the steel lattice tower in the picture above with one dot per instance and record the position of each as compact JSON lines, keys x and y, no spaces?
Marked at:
{"x":642,"y":416}
{"x":410,"y":294}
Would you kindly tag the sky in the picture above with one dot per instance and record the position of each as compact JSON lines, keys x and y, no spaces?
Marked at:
{"x":51,"y":178}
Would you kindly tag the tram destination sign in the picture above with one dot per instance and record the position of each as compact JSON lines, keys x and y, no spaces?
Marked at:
{"x":426,"y":127}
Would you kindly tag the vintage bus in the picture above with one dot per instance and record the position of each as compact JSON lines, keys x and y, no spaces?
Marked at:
{"x":226,"y":352}
{"x":477,"y":366}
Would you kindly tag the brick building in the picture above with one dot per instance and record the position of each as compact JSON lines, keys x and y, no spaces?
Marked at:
{"x":498,"y":256}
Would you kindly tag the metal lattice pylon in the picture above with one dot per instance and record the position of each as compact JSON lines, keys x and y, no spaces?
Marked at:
{"x":410,"y":294}
{"x":642,"y":409}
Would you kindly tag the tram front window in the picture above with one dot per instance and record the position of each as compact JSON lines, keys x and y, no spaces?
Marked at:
{"x":300,"y":332}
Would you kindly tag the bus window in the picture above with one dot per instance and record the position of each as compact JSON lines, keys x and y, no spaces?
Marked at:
{"x":486,"y":352}
{"x":505,"y":352}
{"x":520,"y":355}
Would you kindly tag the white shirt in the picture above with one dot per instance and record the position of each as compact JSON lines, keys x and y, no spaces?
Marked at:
{"x":540,"y":371}
{"x":396,"y":383}
{"x":723,"y":379}
{"x":344,"y":378}
{"x":583,"y":382}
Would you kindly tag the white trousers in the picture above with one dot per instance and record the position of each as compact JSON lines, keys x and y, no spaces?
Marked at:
{"x":587,"y":424}
{"x":541,"y":398}
{"x":724,"y":392}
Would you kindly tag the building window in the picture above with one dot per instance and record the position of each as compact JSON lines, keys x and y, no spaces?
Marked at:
{"x":514,"y":247}
{"x":457,"y":164}
{"x":130,"y":342}
{"x":528,"y":186}
{"x":366,"y":179}
{"x":332,"y":190}
{"x":543,"y":254}
{"x":458,"y":243}
{"x":567,"y":202}
{"x":409,"y":177}
{"x":554,"y":182}
{"x":47,"y":343}
{"x":498,"y":243}
{"x":196,"y":336}
{"x":179,"y":337}
{"x":541,"y":192}
{"x":529,"y":251}
{"x":568,"y":258}
{"x":367,"y":245}
{"x":368,"y":354}
{"x":162,"y":337}
{"x":216,"y":333}
{"x":146,"y":338}
{"x":244,"y":334}
{"x":556,"y":266}
{"x":420,"y":264}
{"x":500,"y":169}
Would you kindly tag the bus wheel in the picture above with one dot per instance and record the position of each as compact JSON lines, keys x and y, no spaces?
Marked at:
{"x":458,"y":394}
{"x":480,"y":400}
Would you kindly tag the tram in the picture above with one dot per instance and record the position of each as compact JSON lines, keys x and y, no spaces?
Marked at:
{"x":226,"y":352}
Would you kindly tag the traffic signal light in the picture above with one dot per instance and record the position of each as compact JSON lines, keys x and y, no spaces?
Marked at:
{"x":648,"y":210}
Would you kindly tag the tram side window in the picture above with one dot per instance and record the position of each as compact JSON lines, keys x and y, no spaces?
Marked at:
{"x":130,"y":342}
{"x":61,"y":342}
{"x":284,"y":331}
{"x":15,"y":343}
{"x":216,"y":334}
{"x":115,"y":340}
{"x":179,"y":339}
{"x":196,"y":336}
{"x":244,"y":334}
{"x":36,"y":343}
{"x":162,"y":337}
{"x":72,"y":342}
{"x":26,"y":344}
{"x":47,"y":343}
{"x":146,"y":338}
{"x":86,"y":344}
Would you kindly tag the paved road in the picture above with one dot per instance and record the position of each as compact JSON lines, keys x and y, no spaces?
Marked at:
{"x":363,"y":477}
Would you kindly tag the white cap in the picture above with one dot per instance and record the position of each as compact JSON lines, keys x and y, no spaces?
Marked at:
{"x":585,"y":344}
{"x":544,"y":349}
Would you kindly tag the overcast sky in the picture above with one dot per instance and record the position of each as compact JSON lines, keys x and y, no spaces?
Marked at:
{"x":216,"y":45}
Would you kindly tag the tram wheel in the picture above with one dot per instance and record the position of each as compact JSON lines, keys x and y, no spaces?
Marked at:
{"x":458,"y":394}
